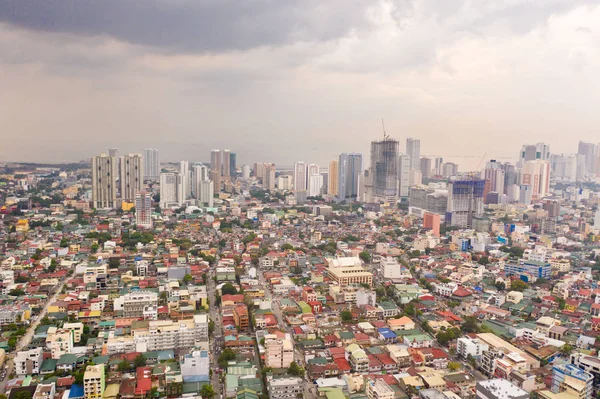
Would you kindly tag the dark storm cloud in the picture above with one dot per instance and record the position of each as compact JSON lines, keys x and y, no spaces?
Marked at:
{"x":192,"y":25}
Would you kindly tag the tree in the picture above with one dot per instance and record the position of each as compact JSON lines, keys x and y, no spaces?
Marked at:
{"x":500,"y":286}
{"x":114,"y":263}
{"x":287,"y":246}
{"x":188,"y":278}
{"x":139,"y":361}
{"x":518,"y":285}
{"x":23,"y":395}
{"x":207,"y":391}
{"x":454,"y":366}
{"x":16,"y":292}
{"x":295,"y":370}
{"x":365,"y":256}
{"x":484,"y":260}
{"x":469,"y":324}
{"x":346,"y":316}
{"x":566,"y":349}
{"x":211,"y":327}
{"x":124,"y":366}
{"x":561,"y":303}
{"x":225,"y":357}
{"x":228,"y":289}
{"x":444,"y":337}
{"x":64,"y":243}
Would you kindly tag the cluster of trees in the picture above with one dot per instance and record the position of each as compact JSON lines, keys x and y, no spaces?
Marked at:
{"x":139,"y":361}
{"x":445,"y":336}
{"x":514,"y":252}
{"x":226,"y":356}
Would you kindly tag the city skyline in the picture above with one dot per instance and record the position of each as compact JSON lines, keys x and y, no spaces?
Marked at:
{"x":480,"y":74}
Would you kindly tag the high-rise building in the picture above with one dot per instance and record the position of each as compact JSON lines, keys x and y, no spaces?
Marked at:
{"x":233,"y":163}
{"x":300,"y":176}
{"x":206,"y":193}
{"x":449,"y":169}
{"x":590,"y":152}
{"x":168,"y":190}
{"x":384,"y":167}
{"x":199,"y":174}
{"x":151,"y":164}
{"x":245,"y":172}
{"x":104,"y":181}
{"x":183,"y":185}
{"x":312,"y":169}
{"x":403,"y":175}
{"x":432,"y":221}
{"x":226,"y":159}
{"x":216,"y":168}
{"x":537,"y":175}
{"x":143,"y":209}
{"x":349,"y":168}
{"x":113,"y":152}
{"x":93,"y":382}
{"x":572,"y":379}
{"x":494,"y":173}
{"x":564,"y":166}
{"x":333,"y":178}
{"x":438,"y":166}
{"x":531,"y":152}
{"x":413,"y":150}
{"x":315,"y":185}
{"x":465,"y":202}
{"x":285,"y":182}
{"x":269,"y":180}
{"x":426,"y":167}
{"x":131,"y":176}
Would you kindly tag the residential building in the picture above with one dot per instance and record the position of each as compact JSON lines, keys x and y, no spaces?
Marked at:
{"x":59,"y":341}
{"x":413,"y":150}
{"x":240,"y":316}
{"x":104,"y":181}
{"x":499,"y":389}
{"x":467,"y":346}
{"x":536,"y":174}
{"x":300,"y":176}
{"x":143,"y":210}
{"x":226,"y":161}
{"x":378,"y":389}
{"x":216,"y":169}
{"x":166,"y":334}
{"x":465,"y":202}
{"x":349,"y":168}
{"x":285,"y":387}
{"x":279,"y":353}
{"x":195,"y":366}
{"x":346,"y":271}
{"x":183,"y":182}
{"x":590,"y":364}
{"x":432,"y":221}
{"x":168,"y":190}
{"x":536,"y":269}
{"x":94,"y":382}
{"x":28,"y":362}
{"x":384,"y":168}
{"x":403,"y":175}
{"x":133,"y":304}
{"x":426,"y":167}
{"x":151,"y":164}
{"x":131,"y":176}
{"x":570,"y":378}
{"x":333,"y":177}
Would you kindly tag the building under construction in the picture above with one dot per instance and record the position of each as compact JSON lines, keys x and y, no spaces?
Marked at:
{"x":465,"y":201}
{"x":384,"y":169}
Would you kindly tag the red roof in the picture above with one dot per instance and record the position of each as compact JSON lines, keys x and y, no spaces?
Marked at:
{"x":342,"y":364}
{"x":461,"y":292}
{"x":144,"y":382}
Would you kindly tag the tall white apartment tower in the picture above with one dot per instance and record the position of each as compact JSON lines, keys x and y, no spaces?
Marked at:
{"x":413,"y":150}
{"x":104,"y":181}
{"x":151,"y":164}
{"x":183,"y":188}
{"x":131,"y":176}
{"x":300,"y":176}
{"x":168,"y":190}
{"x":143,"y":210}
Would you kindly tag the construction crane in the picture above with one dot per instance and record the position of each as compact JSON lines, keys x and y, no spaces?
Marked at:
{"x":481,"y":160}
{"x":385,"y":135}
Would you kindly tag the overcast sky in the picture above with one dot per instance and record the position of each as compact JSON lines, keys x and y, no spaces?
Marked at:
{"x":286,"y":80}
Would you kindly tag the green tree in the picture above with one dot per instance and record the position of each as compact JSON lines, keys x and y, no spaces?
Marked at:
{"x":211,"y":327}
{"x":346,"y":316}
{"x":207,"y":391}
{"x":295,"y":370}
{"x":287,"y":246}
{"x":23,"y":395}
{"x":484,"y":260}
{"x":16,"y":292}
{"x":561,"y":303}
{"x":566,"y":349}
{"x":225,"y":357}
{"x":124,"y":366}
{"x":228,"y":289}
{"x":188,"y":278}
{"x":64,"y":243}
{"x":114,"y":263}
{"x":139,"y":361}
{"x":500,"y":286}
{"x":518,"y":285}
{"x":365,"y":256}
{"x":454,"y":366}
{"x":469,"y":324}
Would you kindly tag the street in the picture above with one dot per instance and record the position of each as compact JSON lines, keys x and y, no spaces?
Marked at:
{"x":216,"y":339}
{"x":26,"y":339}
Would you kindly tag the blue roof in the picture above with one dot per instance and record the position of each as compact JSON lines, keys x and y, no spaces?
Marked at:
{"x":387,"y":333}
{"x":76,"y":391}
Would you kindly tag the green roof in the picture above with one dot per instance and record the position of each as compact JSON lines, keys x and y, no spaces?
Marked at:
{"x":48,"y":365}
{"x":68,"y":358}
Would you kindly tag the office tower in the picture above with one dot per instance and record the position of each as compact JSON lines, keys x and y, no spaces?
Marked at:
{"x":384,"y":167}
{"x":494,"y":173}
{"x":151,"y":164}
{"x":131,"y":176}
{"x":215,"y":165}
{"x":333,"y":178}
{"x":104,"y":181}
{"x":183,"y":185}
{"x":113,"y":152}
{"x":570,"y":378}
{"x":312,"y":169}
{"x":510,"y":175}
{"x":403,"y":175}
{"x":415,"y":177}
{"x":450,"y":169}
{"x":143,"y":209}
{"x":564,"y":166}
{"x":226,"y":170}
{"x":525,"y":194}
{"x":300,"y":176}
{"x":349,"y":168}
{"x":589,"y":151}
{"x":413,"y":150}
{"x":206,"y":194}
{"x":438,"y":166}
{"x":285,"y":182}
{"x":245,"y":171}
{"x":269,"y":180}
{"x":198,"y":175}
{"x":537,"y":175}
{"x":168,"y":190}
{"x":315,"y":184}
{"x":93,"y":382}
{"x":531,"y":152}
{"x":465,"y":202}
{"x":233,"y":164}
{"x":425,"y":167}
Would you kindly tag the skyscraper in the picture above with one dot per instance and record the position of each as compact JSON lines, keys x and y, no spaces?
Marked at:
{"x":494,"y":173}
{"x":384,"y":168}
{"x":226,"y":159}
{"x":531,"y":152}
{"x":269,"y":179}
{"x":425,"y":167}
{"x":151,"y":164}
{"x":131,"y":176}
{"x":183,"y":185}
{"x":333,"y":178}
{"x":215,"y":166}
{"x":537,"y":175}
{"x":465,"y":202}
{"x":199,"y":174}
{"x":589,"y":151}
{"x":206,"y":193}
{"x":233,"y":163}
{"x":300,"y":176}
{"x":245,"y":171}
{"x":143,"y":209}
{"x":104,"y":181}
{"x":349,"y":168}
{"x":168,"y":190}
{"x":315,"y":184}
{"x":403,"y":175}
{"x":413,"y":150}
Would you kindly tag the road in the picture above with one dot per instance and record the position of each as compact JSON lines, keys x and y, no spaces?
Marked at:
{"x":26,"y":339}
{"x":216,"y":340}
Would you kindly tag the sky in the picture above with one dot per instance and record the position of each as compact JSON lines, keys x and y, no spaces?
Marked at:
{"x":287,"y":80}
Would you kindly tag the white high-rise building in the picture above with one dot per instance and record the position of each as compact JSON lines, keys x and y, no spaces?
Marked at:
{"x":151,"y":164}
{"x":537,"y":175}
{"x":494,"y":173}
{"x":199,"y":173}
{"x":531,"y":152}
{"x":168,"y":190}
{"x":413,"y":150}
{"x":403,"y":175}
{"x":313,"y":169}
{"x":285,"y":182}
{"x":143,"y":209}
{"x":300,"y":176}
{"x":104,"y":181}
{"x":184,"y":181}
{"x":315,"y":184}
{"x":269,"y":178}
{"x":246,"y":171}
{"x":131,"y":176}
{"x":206,"y":193}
